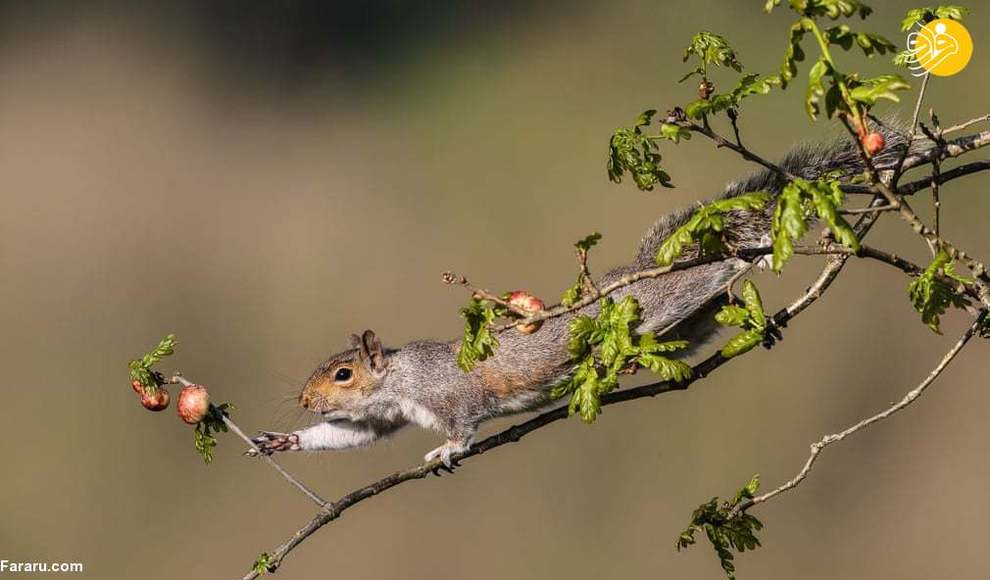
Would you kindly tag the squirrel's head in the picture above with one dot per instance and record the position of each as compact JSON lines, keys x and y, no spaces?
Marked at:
{"x":340,"y":387}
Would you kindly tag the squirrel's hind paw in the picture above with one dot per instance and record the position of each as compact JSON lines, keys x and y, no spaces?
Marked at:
{"x":446,"y":451}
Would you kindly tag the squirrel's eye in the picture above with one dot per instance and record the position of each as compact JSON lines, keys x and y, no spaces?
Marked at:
{"x":342,"y":375}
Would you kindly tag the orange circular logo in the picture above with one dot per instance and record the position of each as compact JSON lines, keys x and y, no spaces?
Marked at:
{"x":942,"y":47}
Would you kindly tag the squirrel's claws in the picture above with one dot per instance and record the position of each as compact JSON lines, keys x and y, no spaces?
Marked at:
{"x":269,"y":442}
{"x":445,"y":453}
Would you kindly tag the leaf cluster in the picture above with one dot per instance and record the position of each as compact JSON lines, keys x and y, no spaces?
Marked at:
{"x":605,"y":346}
{"x":831,"y":8}
{"x":710,"y":49}
{"x":749,"y":317}
{"x":633,"y":151}
{"x":479,"y":341}
{"x":926,"y":14}
{"x":726,"y":531}
{"x":931,"y":294}
{"x":845,"y":93}
{"x":141,"y":369}
{"x":262,"y":564}
{"x":799,"y":200}
{"x":706,"y":227}
{"x":212,"y":423}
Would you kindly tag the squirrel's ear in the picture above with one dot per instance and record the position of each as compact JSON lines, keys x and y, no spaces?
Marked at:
{"x":370,"y":352}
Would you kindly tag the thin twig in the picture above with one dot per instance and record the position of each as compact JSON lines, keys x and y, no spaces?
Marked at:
{"x":943,"y":177}
{"x":179,"y":379}
{"x":451,"y":278}
{"x":721,"y":141}
{"x":936,"y":170}
{"x":827,"y":440}
{"x":966,"y":124}
{"x":587,"y":282}
{"x":898,"y":170}
{"x":879,"y":208}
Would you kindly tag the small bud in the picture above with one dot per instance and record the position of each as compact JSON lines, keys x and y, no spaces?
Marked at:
{"x":705,"y":89}
{"x":137,"y":386}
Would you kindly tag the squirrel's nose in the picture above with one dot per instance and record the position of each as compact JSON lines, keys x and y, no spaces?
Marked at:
{"x":304,"y":400}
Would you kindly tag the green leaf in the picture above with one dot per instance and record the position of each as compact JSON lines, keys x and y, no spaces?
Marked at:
{"x":931,"y":295}
{"x":725,"y":530}
{"x":630,"y":150}
{"x":262,"y":564}
{"x":832,"y":9}
{"x":925,"y":15}
{"x":711,"y":49}
{"x":868,"y":91}
{"x":789,"y":221}
{"x":667,"y":369}
{"x":869,"y":42}
{"x":674,"y":133}
{"x":572,"y":294}
{"x":750,"y":317}
{"x":213,"y":422}
{"x":815,"y":87}
{"x":732,"y":315}
{"x":794,"y":53}
{"x":479,"y":341}
{"x":754,"y":305}
{"x":141,"y":369}
{"x":787,"y":225}
{"x":742,"y":343}
{"x":827,"y":197}
{"x":705,"y":227}
{"x":604,"y":346}
{"x":588,"y":241}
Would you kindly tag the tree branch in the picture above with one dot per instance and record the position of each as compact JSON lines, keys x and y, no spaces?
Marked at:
{"x":827,"y":440}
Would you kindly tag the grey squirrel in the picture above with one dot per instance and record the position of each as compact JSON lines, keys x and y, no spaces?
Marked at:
{"x":369,"y":392}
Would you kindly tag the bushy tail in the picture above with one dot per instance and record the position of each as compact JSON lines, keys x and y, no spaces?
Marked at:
{"x":809,"y":161}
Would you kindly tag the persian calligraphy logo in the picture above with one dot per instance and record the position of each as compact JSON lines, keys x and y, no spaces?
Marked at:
{"x":942,"y":47}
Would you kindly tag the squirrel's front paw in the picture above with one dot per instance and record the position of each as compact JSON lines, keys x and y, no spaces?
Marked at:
{"x":446,"y":451}
{"x":269,"y":442}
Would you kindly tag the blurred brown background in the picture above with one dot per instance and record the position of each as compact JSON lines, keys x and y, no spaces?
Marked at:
{"x":263,"y":178}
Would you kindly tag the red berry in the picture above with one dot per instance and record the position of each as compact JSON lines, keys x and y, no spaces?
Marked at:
{"x":137,"y":386}
{"x":529,"y":303}
{"x":873,"y":143}
{"x":156,"y":401}
{"x":193,"y":404}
